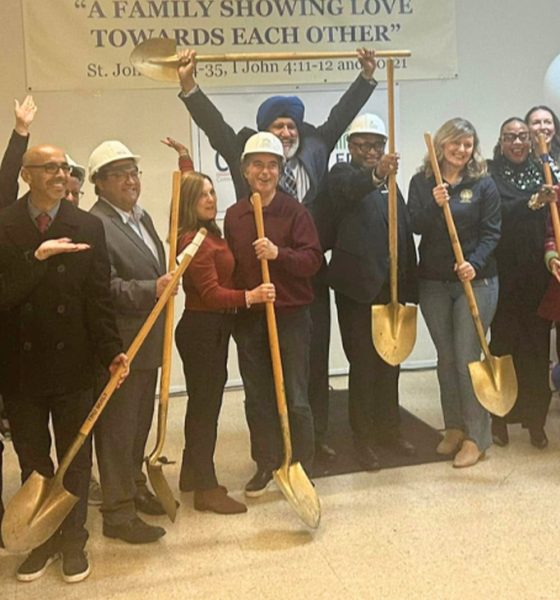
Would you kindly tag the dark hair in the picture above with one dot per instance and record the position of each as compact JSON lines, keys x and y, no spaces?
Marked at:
{"x":555,"y":142}
{"x":191,"y":190}
{"x":497,"y":148}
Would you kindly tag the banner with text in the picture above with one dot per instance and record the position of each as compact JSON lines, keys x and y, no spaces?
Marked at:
{"x":86,"y":44}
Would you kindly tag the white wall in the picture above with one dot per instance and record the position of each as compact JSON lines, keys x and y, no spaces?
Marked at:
{"x":504,"y":49}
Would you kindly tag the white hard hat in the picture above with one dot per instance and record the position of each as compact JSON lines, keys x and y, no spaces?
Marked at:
{"x":367,"y":123}
{"x":76,"y":168}
{"x":106,"y":153}
{"x":264,"y":141}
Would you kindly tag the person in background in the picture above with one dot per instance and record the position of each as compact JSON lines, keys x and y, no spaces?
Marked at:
{"x":359,"y":274}
{"x":517,"y":329}
{"x":202,"y":338}
{"x":292,"y":248}
{"x":474,"y":202}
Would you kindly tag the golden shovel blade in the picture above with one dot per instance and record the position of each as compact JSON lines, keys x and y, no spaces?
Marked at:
{"x":35,"y":512}
{"x":495,"y":385}
{"x":393,"y":330}
{"x":162,"y":489}
{"x":300,"y":493}
{"x":156,"y":59}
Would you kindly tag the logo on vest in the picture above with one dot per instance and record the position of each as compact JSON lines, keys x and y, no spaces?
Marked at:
{"x":466,"y":196}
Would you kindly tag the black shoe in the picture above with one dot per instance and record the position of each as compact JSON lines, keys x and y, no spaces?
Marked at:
{"x":75,"y":566}
{"x":538,"y":437}
{"x":258,"y":484}
{"x":366,"y":456}
{"x":147,"y":503}
{"x":134,"y":531}
{"x":397,"y":444}
{"x":35,"y":565}
{"x":324,"y":453}
{"x":500,"y":435}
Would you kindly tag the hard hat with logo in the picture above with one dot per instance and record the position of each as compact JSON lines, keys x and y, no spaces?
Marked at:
{"x":263,"y":141}
{"x":106,"y":153}
{"x":367,"y":123}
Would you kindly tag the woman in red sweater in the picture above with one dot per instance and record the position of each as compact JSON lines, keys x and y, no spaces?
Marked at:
{"x":202,"y":338}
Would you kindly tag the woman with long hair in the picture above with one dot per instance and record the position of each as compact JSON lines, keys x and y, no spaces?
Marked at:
{"x":475,"y":205}
{"x":202,"y":337}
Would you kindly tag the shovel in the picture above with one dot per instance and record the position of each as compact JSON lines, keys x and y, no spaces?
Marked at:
{"x":545,"y":158}
{"x":155,"y":470}
{"x":493,"y":378}
{"x":393,"y":326}
{"x":157,"y":58}
{"x":41,"y":504}
{"x":290,"y":478}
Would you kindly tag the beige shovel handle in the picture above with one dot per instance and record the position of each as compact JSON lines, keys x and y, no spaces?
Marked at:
{"x":543,"y":152}
{"x":458,"y":252}
{"x":136,"y":344}
{"x":392,"y":186}
{"x":169,"y":322}
{"x":249,"y":56}
{"x":273,"y":342}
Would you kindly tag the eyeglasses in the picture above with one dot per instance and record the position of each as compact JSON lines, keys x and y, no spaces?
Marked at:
{"x":123,"y":174}
{"x":75,"y":194}
{"x":366,"y":147}
{"x":51,"y":168}
{"x":523,"y":136}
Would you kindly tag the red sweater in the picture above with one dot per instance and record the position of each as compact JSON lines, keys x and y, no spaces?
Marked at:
{"x":208,"y":281}
{"x":287,"y":224}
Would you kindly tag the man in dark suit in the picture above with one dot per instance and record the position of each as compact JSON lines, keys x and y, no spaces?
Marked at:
{"x":306,"y":151}
{"x":138,"y":278}
{"x":50,"y":341}
{"x":359,"y":274}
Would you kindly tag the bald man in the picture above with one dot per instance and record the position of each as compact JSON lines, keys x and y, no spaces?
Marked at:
{"x":50,"y":341}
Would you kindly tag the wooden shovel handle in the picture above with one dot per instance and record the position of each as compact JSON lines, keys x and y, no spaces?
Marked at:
{"x":458,"y":251}
{"x":274,"y":342}
{"x":392,"y":187}
{"x":250,"y":56}
{"x":543,"y":152}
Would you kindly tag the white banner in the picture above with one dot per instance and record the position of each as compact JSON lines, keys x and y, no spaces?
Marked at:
{"x":86,"y":44}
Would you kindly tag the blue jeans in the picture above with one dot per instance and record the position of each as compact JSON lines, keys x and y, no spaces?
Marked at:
{"x":251,"y":337}
{"x":446,"y":311}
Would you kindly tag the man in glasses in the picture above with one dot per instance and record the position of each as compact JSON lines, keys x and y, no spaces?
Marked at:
{"x":50,"y":340}
{"x":138,"y":278}
{"x":359,"y":274}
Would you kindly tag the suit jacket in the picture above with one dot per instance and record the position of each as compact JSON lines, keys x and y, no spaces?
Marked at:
{"x":10,"y":167}
{"x":134,"y":270}
{"x":59,"y":328}
{"x":359,"y":267}
{"x":316,"y":143}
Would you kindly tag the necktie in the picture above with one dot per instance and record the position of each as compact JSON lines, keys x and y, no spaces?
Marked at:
{"x":43,"y":222}
{"x":288,"y":181}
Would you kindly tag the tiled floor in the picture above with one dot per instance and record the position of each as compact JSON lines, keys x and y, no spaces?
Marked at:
{"x":432,"y":531}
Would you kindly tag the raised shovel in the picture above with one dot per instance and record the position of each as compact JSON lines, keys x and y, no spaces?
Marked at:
{"x":157,"y":58}
{"x":393,"y":325}
{"x":493,"y":378}
{"x":290,"y":477}
{"x":39,"y":507}
{"x":155,"y":470}
{"x":545,"y":158}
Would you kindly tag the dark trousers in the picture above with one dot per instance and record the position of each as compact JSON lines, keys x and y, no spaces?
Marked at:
{"x":373,"y":384}
{"x":523,"y":334}
{"x":251,"y":336}
{"x":320,"y":310}
{"x":29,"y":422}
{"x":202,"y":339}
{"x":120,"y":443}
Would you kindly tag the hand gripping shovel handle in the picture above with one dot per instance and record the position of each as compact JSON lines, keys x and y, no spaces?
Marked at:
{"x":458,"y":252}
{"x":273,"y":342}
{"x":186,"y":257}
{"x":545,"y":158}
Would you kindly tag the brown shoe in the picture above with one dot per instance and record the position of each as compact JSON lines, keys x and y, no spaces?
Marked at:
{"x":452,"y":439}
{"x":468,"y":455}
{"x":217,"y":500}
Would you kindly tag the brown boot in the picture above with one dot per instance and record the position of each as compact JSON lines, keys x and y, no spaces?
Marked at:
{"x":217,"y":500}
{"x":451,"y":442}
{"x":468,"y":456}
